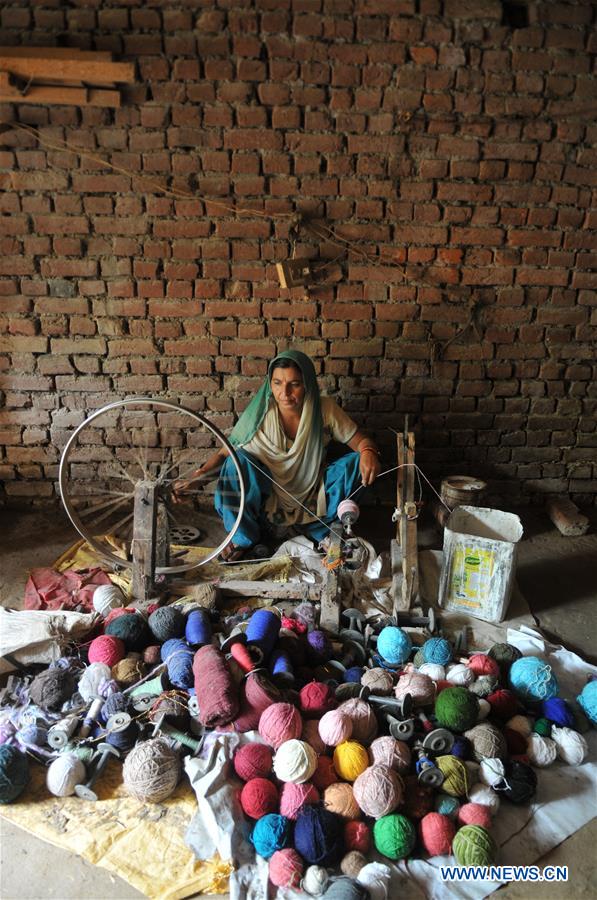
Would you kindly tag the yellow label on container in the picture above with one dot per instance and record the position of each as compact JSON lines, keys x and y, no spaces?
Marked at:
{"x":470,"y":575}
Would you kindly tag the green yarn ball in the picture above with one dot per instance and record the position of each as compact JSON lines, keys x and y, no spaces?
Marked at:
{"x":14,"y":773}
{"x":132,"y":629}
{"x":457,"y":709}
{"x":473,"y":846}
{"x":456,"y":777}
{"x":542,"y":727}
{"x":394,"y":836}
{"x":504,"y":655}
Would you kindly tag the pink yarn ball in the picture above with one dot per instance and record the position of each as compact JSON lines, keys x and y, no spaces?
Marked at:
{"x":437,"y":833}
{"x":294,"y":797}
{"x":253,"y":761}
{"x":357,"y":836}
{"x":481,"y":664}
{"x":259,"y":797}
{"x":317,"y":698}
{"x":310,"y":734}
{"x":378,"y":791}
{"x":286,"y":868}
{"x":474,"y":814}
{"x":420,"y":687}
{"x":387,"y":751}
{"x":335,"y":727}
{"x":106,"y":649}
{"x":280,"y":722}
{"x":115,"y":613}
{"x":364,"y":723}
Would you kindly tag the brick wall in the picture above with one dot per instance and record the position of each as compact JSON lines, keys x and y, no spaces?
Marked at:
{"x":456,"y":151}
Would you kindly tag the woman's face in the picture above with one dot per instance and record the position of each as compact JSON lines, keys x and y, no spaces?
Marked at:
{"x":288,"y":389}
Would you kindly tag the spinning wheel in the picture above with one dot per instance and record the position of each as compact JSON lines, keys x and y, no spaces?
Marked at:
{"x":116,"y":476}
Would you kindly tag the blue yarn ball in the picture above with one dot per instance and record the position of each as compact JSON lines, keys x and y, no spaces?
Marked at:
{"x":446,"y":805}
{"x":14,"y":773}
{"x":178,"y":657}
{"x":588,"y":701}
{"x":354,"y":675}
{"x":558,"y":711}
{"x":437,"y":650}
{"x":198,"y":628}
{"x":270,"y":833}
{"x":318,"y":836}
{"x":394,"y":645}
{"x":532,"y":679}
{"x":33,"y":735}
{"x":461,"y":747}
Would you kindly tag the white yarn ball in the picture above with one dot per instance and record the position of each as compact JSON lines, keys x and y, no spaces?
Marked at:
{"x":295,"y":761}
{"x":64,"y":773}
{"x":460,"y":675}
{"x":315,"y":880}
{"x":521,"y":724}
{"x":484,"y":709}
{"x":107,"y":597}
{"x":541,"y":751}
{"x":482,"y":794}
{"x":376,"y":877}
{"x":95,"y":676}
{"x":435,"y":671}
{"x":491,"y":772}
{"x":571,"y":746}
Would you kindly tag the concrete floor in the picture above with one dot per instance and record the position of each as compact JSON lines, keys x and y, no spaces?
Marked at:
{"x":557,"y":576}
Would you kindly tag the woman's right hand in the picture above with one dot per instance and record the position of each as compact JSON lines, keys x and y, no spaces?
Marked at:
{"x":180,"y":488}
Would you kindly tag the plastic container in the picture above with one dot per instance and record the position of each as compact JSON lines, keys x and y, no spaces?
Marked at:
{"x":479,"y":561}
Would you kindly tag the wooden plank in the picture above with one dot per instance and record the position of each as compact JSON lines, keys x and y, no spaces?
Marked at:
{"x":62,"y":96}
{"x":143,"y":548}
{"x":292,"y":590}
{"x":399,"y":485}
{"x":410,"y":563}
{"x":90,"y":71}
{"x":57,"y":53}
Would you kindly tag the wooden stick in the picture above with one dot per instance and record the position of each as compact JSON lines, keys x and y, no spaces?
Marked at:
{"x":91,"y":71}
{"x":64,"y":96}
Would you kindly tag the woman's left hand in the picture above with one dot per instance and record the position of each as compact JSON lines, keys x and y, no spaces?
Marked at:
{"x":369,"y":466}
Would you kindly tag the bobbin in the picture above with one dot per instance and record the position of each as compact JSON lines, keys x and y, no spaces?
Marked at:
{"x":236,"y":636}
{"x":91,"y":717}
{"x":60,"y":734}
{"x":401,"y":708}
{"x":85,"y":791}
{"x":356,"y":620}
{"x":163,"y":728}
{"x":118,"y":721}
{"x":351,"y":691}
{"x":428,"y":773}
{"x":400,"y":730}
{"x":439,"y":741}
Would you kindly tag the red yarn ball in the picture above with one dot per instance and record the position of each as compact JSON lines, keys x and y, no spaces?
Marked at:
{"x":437,"y":833}
{"x":325,"y":773}
{"x":119,"y":611}
{"x":253,"y":761}
{"x":259,"y":797}
{"x":481,"y":664}
{"x":317,"y":698}
{"x":294,"y":625}
{"x":357,"y":836}
{"x":474,"y":814}
{"x":106,"y":649}
{"x":286,"y":868}
{"x":441,"y":685}
{"x":503,"y":704}
{"x":516,"y":742}
{"x":294,"y":797}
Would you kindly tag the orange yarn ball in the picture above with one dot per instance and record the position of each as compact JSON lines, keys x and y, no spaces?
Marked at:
{"x":339,"y":798}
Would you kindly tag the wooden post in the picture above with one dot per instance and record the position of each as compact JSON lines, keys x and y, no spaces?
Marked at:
{"x":404,"y":558}
{"x":329,"y":618}
{"x":150,"y":540}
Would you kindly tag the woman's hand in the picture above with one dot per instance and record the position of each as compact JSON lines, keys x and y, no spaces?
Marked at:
{"x":369,"y":466}
{"x":180,"y":488}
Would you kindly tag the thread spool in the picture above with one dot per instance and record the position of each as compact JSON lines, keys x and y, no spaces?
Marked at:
{"x":198,"y":631}
{"x":280,"y":666}
{"x":60,"y":734}
{"x":257,"y":693}
{"x":348,"y":513}
{"x":246,"y":657}
{"x":215,"y":688}
{"x":262,"y":630}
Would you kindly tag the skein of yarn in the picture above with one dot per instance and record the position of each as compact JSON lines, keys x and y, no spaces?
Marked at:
{"x":106,"y":649}
{"x":94,"y":679}
{"x":394,"y":645}
{"x":541,"y":751}
{"x":344,"y":888}
{"x":340,"y":799}
{"x":457,"y":709}
{"x":571,"y":746}
{"x":378,"y":791}
{"x":357,"y":836}
{"x":315,"y":880}
{"x":379,"y":681}
{"x":318,"y":836}
{"x":295,"y":761}
{"x":215,"y":688}
{"x":166,"y":623}
{"x":335,"y":727}
{"x":294,"y":798}
{"x":350,"y":760}
{"x":259,"y":797}
{"x":253,"y":761}
{"x":286,"y":868}
{"x":473,"y":846}
{"x":352,"y":863}
{"x":151,"y":771}
{"x":51,"y":688}
{"x":394,"y":836}
{"x":437,"y":833}
{"x":364,"y":723}
{"x":280,"y":722}
{"x":271,"y":833}
{"x":487,"y":742}
{"x":588,"y":701}
{"x":420,"y":687}
{"x":107,"y":597}
{"x":387,"y":751}
{"x":64,"y":773}
{"x":532,"y":679}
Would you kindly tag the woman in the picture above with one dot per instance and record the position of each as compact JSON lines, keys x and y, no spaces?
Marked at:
{"x":280,"y":440}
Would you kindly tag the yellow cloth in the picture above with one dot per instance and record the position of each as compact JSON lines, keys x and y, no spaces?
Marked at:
{"x":141,"y":842}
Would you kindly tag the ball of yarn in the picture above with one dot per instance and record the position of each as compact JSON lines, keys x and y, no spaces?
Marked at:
{"x":571,"y":746}
{"x":503,"y":704}
{"x":335,"y":727}
{"x":532,"y":679}
{"x":418,"y":659}
{"x":456,"y":776}
{"x":433,"y":671}
{"x":520,"y":782}
{"x":379,"y":681}
{"x":474,"y":814}
{"x":151,"y":655}
{"x":286,"y":868}
{"x":473,"y":846}
{"x":316,"y":698}
{"x":280,"y":722}
{"x":520,"y":724}
{"x":107,"y":597}
{"x":106,"y":649}
{"x":387,"y":751}
{"x":325,"y":773}
{"x":151,"y":771}
{"x":350,"y":760}
{"x":206,"y":595}
{"x":253,"y":761}
{"x":32,"y":735}
{"x":357,"y":836}
{"x":339,"y":798}
{"x":64,"y":773}
{"x":456,"y":709}
{"x":166,"y":623}
{"x":115,"y":703}
{"x":437,"y":650}
{"x":345,"y":888}
{"x":94,"y":679}
{"x":481,"y":793}
{"x":259,"y":797}
{"x":541,"y":751}
{"x":364,"y":723}
{"x":587,"y":700}
{"x":542,"y":727}
{"x":460,"y":675}
{"x":319,"y":647}
{"x":419,"y":686}
{"x":394,"y":645}
{"x":294,"y":798}
{"x":484,"y":685}
{"x":132,"y":630}
{"x":51,"y":688}
{"x":353,"y":675}
{"x":295,"y":761}
{"x":461,"y":747}
{"x":487,"y":742}
{"x":558,"y":712}
{"x":270,"y":833}
{"x":315,"y":880}
{"x":378,"y":791}
{"x":418,"y":798}
{"x":394,"y":836}
{"x":446,"y":805}
{"x":119,"y":611}
{"x":352,"y":863}
{"x":491,"y":772}
{"x":482,"y":664}
{"x":437,"y":833}
{"x":14,"y":773}
{"x":504,"y":655}
{"x":318,"y":836}
{"x":128,"y":671}
{"x":376,"y":878}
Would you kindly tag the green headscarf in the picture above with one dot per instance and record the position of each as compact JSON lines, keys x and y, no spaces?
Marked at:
{"x":252,"y":417}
